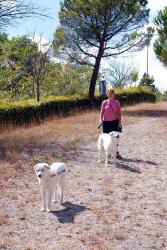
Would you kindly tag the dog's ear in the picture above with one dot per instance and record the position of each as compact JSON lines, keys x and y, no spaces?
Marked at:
{"x":35,"y":167}
{"x":47,"y":166}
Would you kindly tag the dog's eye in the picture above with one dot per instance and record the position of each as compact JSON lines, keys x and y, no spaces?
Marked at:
{"x":42,"y":170}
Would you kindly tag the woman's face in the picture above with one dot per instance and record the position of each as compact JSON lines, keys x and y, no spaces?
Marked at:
{"x":111,"y":94}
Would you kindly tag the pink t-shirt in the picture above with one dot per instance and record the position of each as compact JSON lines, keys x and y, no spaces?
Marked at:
{"x":111,"y":110}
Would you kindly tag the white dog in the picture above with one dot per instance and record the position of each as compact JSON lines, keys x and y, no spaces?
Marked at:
{"x":108,"y":143}
{"x":50,"y":178}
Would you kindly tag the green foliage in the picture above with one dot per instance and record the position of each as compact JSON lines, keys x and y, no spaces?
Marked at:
{"x":133,"y":95}
{"x":147,"y":80}
{"x":72,"y":80}
{"x":134,"y":76}
{"x":162,"y":96}
{"x":160,"y":45}
{"x":23,"y":68}
{"x":16,"y":53}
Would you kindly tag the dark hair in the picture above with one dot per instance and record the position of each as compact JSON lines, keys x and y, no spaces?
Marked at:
{"x":110,"y":89}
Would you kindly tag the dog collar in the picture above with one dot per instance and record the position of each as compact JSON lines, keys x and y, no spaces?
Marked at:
{"x":58,"y":173}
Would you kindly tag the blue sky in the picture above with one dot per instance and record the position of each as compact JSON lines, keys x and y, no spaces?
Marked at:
{"x":46,"y":28}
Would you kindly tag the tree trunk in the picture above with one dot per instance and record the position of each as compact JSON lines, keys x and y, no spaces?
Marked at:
{"x":38,"y":91}
{"x":95,"y":74}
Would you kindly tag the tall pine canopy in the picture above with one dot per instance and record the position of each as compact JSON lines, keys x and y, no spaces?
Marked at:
{"x":160,"y":45}
{"x":92,"y":30}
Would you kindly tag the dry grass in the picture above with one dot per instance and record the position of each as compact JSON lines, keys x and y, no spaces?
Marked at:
{"x":66,"y":133}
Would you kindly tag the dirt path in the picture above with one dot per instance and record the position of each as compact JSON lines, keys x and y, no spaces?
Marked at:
{"x":114,"y":208}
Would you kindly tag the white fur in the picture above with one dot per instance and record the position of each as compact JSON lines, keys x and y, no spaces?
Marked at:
{"x":108,"y":143}
{"x":50,"y":178}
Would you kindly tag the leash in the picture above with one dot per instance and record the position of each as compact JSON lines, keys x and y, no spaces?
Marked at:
{"x":99,"y":125}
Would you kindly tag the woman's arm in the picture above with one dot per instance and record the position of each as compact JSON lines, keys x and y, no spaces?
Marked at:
{"x":101,"y":112}
{"x":119,"y":118}
{"x":119,"y":115}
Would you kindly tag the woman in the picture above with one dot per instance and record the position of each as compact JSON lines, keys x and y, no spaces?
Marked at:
{"x":110,"y":115}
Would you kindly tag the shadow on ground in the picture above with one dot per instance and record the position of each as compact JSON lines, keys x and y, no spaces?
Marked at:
{"x":126,"y":167}
{"x":138,"y":161}
{"x":122,"y":165}
{"x":67,"y":215}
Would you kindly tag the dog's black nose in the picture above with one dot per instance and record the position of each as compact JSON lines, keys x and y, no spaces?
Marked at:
{"x":39,"y":176}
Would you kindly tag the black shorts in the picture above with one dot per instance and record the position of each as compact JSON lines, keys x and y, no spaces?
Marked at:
{"x":109,"y":126}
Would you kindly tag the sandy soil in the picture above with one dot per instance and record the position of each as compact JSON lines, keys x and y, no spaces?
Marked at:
{"x":122,"y":207}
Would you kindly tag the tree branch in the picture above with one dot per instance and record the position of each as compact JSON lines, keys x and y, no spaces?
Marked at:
{"x":130,"y":47}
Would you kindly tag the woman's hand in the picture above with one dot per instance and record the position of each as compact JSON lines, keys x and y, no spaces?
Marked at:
{"x":119,"y":124}
{"x":119,"y":127}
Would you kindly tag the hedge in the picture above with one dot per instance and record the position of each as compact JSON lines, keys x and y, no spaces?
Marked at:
{"x":27,"y":112}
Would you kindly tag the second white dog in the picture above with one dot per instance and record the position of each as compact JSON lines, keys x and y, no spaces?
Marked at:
{"x":108,"y":143}
{"x":50,"y":178}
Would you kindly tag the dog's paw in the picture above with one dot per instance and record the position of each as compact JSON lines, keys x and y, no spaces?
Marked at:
{"x":48,"y":210}
{"x":43,"y":209}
